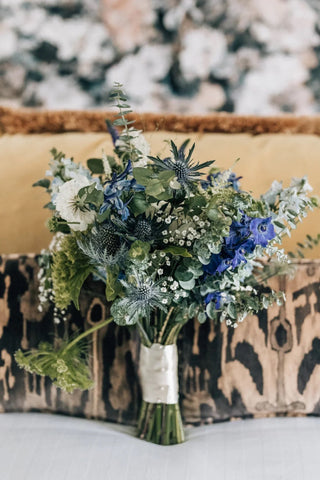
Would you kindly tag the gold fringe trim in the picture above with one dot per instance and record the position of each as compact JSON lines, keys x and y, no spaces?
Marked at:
{"x":24,"y":121}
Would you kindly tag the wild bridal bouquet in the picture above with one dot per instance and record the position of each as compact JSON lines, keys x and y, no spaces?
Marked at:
{"x":172,"y":239}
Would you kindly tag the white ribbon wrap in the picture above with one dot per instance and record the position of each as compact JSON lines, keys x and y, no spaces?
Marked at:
{"x":159,"y":373}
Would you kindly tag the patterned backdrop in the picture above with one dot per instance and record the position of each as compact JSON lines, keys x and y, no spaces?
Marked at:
{"x":247,"y":56}
{"x":270,"y":365}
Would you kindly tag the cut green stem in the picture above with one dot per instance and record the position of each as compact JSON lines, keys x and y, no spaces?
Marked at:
{"x":88,"y":332}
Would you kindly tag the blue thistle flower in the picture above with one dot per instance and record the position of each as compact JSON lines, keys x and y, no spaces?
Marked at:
{"x":186,"y":171}
{"x":142,"y":228}
{"x":142,"y":296}
{"x":103,"y":246}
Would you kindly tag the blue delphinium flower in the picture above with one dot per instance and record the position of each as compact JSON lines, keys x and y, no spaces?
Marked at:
{"x":215,"y":297}
{"x":225,"y":263}
{"x":239,"y":254}
{"x":233,"y":181}
{"x":214,"y":263}
{"x":262,"y":230}
{"x":243,"y":237}
{"x":239,"y":232}
{"x":114,"y":190}
{"x":113,"y":132}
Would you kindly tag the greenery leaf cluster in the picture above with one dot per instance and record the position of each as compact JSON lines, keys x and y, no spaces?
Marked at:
{"x":70,"y":269}
{"x":66,"y":365}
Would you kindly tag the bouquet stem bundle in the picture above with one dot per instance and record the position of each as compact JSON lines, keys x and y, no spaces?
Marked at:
{"x":160,"y":423}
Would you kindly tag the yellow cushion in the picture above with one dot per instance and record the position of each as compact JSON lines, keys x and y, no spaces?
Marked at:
{"x":263,"y":158}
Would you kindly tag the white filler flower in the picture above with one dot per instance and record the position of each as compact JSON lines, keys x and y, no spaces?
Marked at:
{"x":106,"y":165}
{"x":139,"y":144}
{"x":68,"y":207}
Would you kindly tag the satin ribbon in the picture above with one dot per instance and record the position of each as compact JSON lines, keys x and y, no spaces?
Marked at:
{"x":159,"y":373}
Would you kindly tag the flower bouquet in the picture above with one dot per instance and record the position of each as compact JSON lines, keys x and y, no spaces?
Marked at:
{"x":172,"y":239}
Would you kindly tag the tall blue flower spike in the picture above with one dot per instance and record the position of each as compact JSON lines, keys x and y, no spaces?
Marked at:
{"x":114,"y":190}
{"x":113,"y":132}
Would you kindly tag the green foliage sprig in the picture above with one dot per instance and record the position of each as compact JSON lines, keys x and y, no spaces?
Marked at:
{"x":66,"y":366}
{"x":70,"y":269}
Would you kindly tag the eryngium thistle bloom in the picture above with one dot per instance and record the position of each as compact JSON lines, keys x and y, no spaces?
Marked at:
{"x":141,"y":297}
{"x":141,"y":228}
{"x":104,"y":245}
{"x":187,"y":172}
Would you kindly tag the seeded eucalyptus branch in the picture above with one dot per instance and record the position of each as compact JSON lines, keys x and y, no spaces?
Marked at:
{"x":120,"y":98}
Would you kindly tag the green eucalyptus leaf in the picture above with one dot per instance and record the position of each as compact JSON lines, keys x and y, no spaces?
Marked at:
{"x":44,"y":183}
{"x":211,"y":310}
{"x":95,"y":197}
{"x":142,"y":175}
{"x":196,"y":204}
{"x":139,"y":204}
{"x":154,"y":187}
{"x":189,"y":285}
{"x":120,"y":122}
{"x":166,"y":195}
{"x":180,"y":251}
{"x":113,"y":286}
{"x":182,"y":274}
{"x":90,"y":194}
{"x":139,"y":250}
{"x":202,"y":317}
{"x":213,"y":214}
{"x":166,"y":176}
{"x":95,"y":165}
{"x":102,"y":217}
{"x":232,"y":311}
